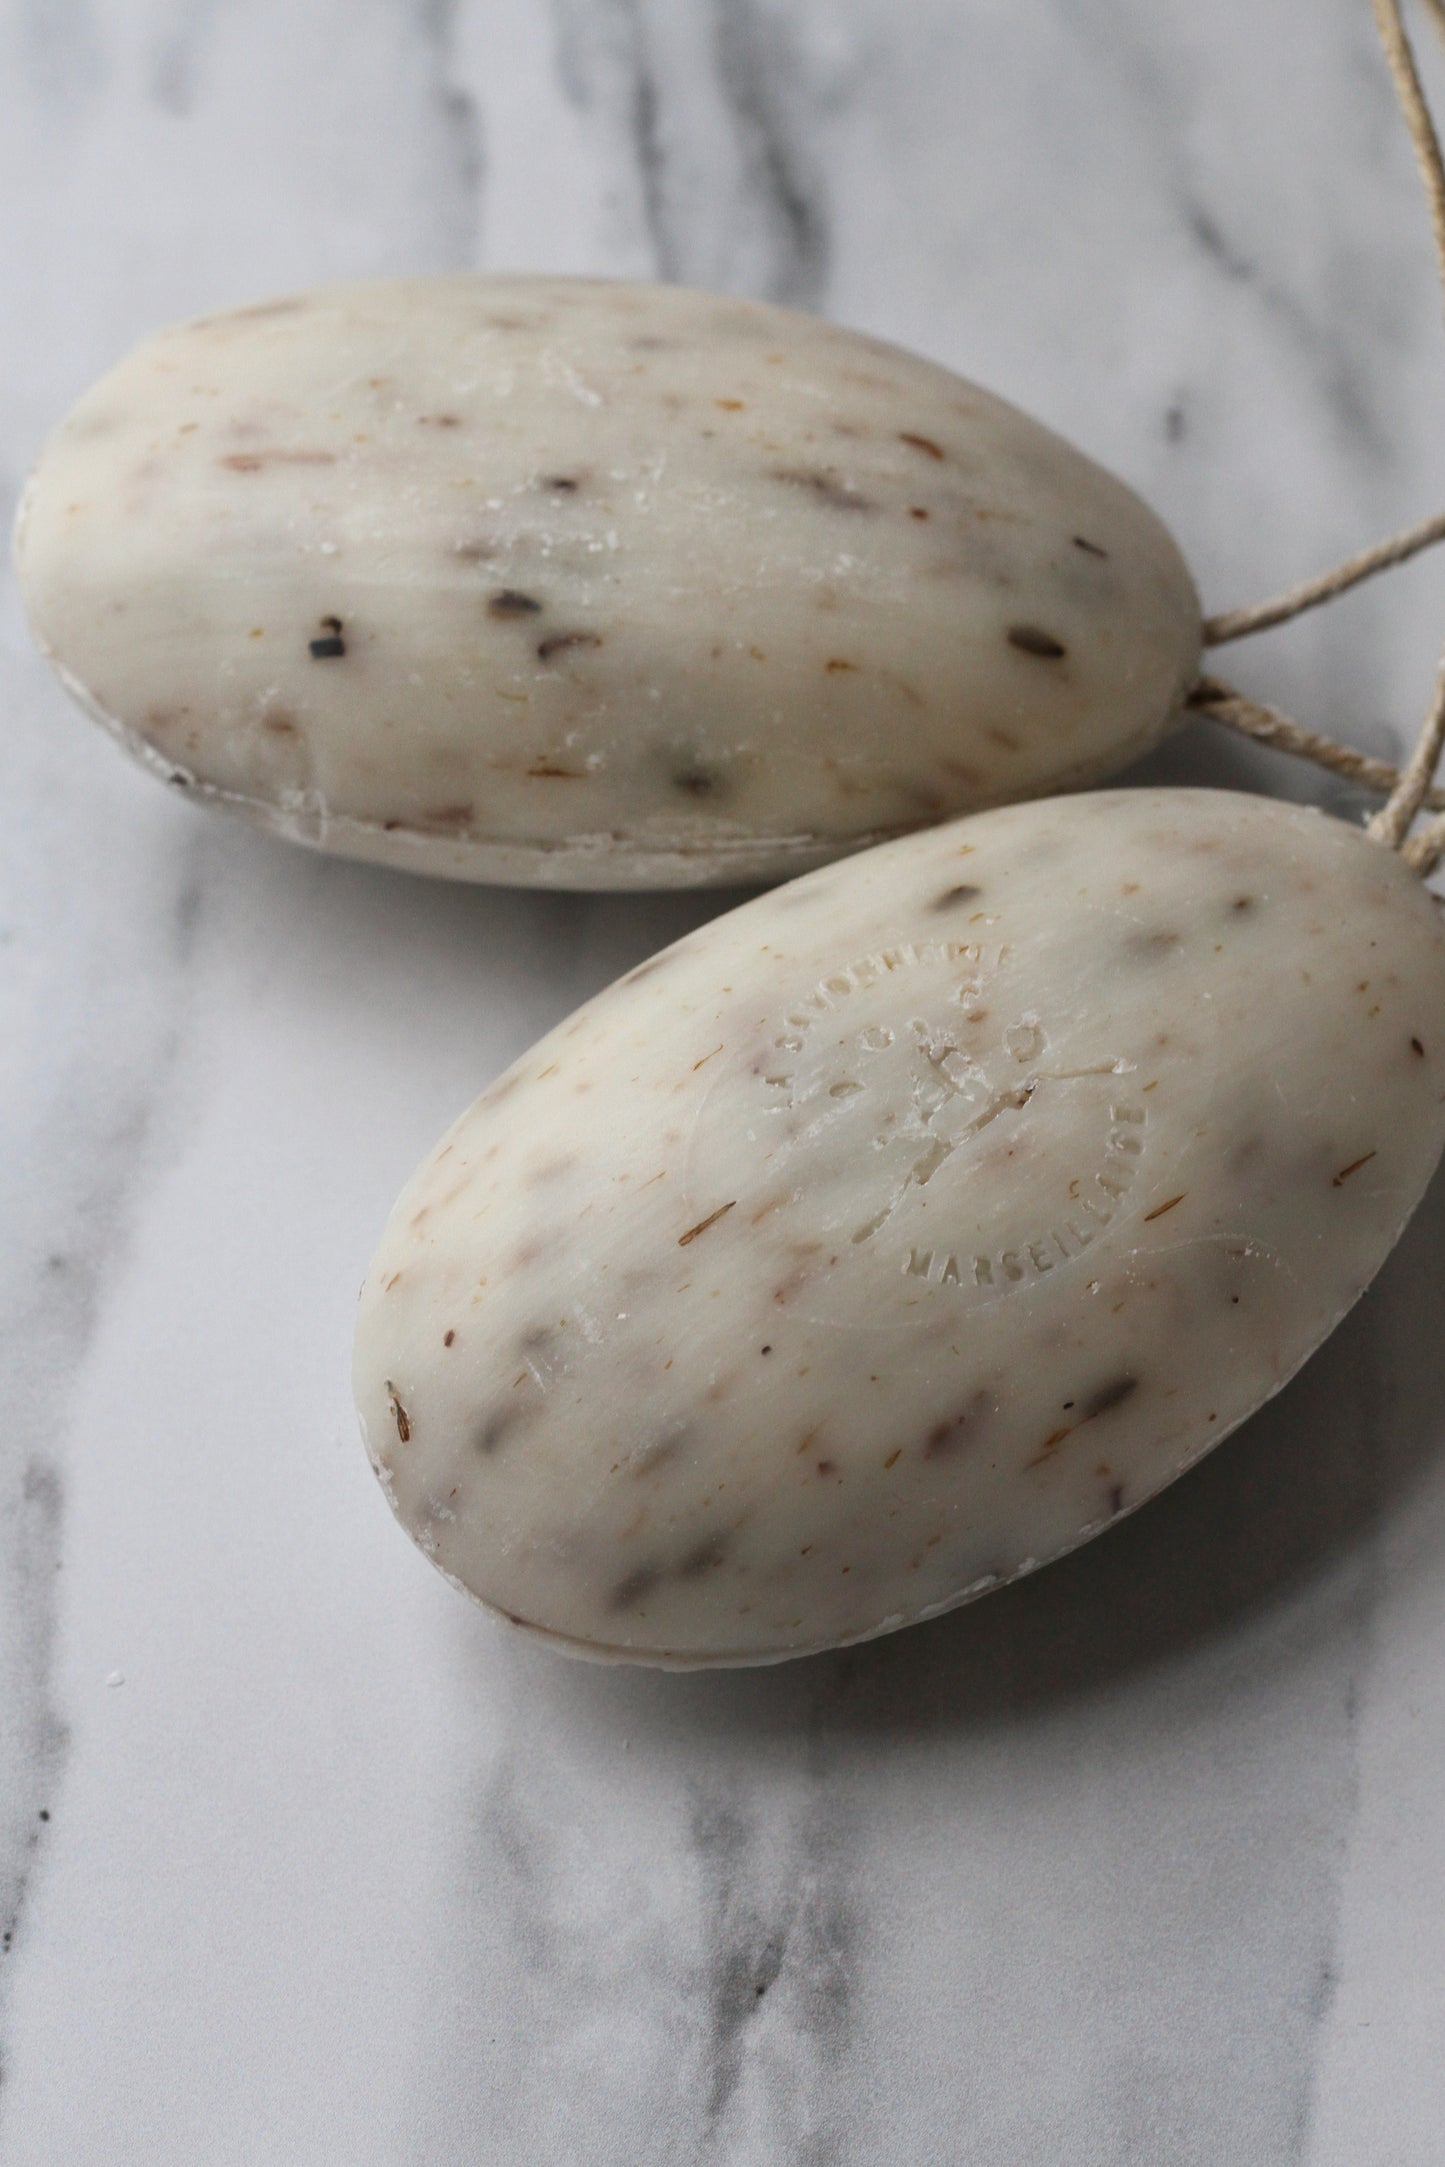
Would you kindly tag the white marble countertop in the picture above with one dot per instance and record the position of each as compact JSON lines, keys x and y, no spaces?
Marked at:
{"x":304,"y":1862}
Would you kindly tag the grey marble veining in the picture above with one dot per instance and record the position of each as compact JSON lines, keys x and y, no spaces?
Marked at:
{"x":702,"y":113}
{"x":1136,"y":1862}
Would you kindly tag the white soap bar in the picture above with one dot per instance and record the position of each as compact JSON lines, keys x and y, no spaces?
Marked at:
{"x":894,"y":1233}
{"x":591,"y":585}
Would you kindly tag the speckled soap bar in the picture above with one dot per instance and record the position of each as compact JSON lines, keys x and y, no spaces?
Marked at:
{"x":589,"y":584}
{"x":894,"y":1233}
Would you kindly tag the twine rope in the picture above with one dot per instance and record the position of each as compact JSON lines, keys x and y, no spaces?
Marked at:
{"x":1236,"y":624}
{"x":1408,"y":791}
{"x":1225,"y":704}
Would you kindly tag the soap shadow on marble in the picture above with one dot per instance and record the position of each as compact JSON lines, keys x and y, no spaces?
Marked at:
{"x":559,"y":946}
{"x":1281,"y":1506}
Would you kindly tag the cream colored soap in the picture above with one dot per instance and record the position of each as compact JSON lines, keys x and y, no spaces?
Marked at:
{"x":591,"y":585}
{"x":894,"y":1233}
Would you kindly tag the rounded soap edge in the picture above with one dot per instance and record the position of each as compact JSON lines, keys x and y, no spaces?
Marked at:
{"x":574,"y":863}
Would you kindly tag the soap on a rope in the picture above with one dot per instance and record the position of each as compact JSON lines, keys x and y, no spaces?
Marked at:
{"x":898,"y":1231}
{"x":586,"y":584}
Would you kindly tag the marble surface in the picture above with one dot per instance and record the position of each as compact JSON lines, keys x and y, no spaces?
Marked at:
{"x":303,"y":1861}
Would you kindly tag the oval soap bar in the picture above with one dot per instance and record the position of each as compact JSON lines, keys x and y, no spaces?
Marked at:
{"x":566,"y":582}
{"x":895,"y":1232}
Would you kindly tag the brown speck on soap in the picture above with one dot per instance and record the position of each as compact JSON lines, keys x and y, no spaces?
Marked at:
{"x":399,"y":1414}
{"x":1150,"y":946}
{"x":545,"y":768}
{"x":440,"y":421}
{"x":924,"y":444}
{"x":1031,"y":641}
{"x":1353,"y":1168}
{"x":1051,"y":1445}
{"x":558,"y":642}
{"x":499,"y":1425}
{"x":448,"y":1338}
{"x":562,"y":485}
{"x":331,"y":644}
{"x":835,"y":663}
{"x":703,"y":1224}
{"x":827,"y":485}
{"x":512,"y":603}
{"x":703,"y":1558}
{"x":1160,"y":1209}
{"x":635,"y":1588}
{"x":1108,"y":1397}
{"x":1416,"y":1047}
{"x":1090,"y":549}
{"x":945,"y":1436}
{"x":255,"y":462}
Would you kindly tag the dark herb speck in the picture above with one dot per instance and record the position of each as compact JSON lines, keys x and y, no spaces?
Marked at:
{"x":1031,"y":641}
{"x":634,"y":1588}
{"x":509,"y":603}
{"x":499,"y":1425}
{"x":827,"y":485}
{"x":1108,"y":1397}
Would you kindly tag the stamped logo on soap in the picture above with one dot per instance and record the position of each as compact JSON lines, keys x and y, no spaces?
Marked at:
{"x":913,"y":1115}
